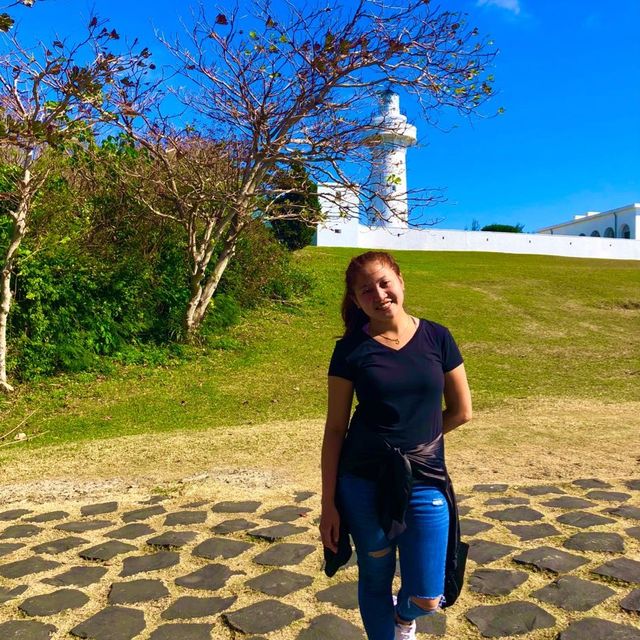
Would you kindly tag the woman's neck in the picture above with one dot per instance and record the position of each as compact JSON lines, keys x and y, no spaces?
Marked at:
{"x":394,"y":325}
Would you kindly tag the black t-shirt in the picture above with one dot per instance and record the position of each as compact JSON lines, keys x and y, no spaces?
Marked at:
{"x":399,"y":392}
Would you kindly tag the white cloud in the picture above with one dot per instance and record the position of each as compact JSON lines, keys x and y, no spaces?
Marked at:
{"x":509,"y":5}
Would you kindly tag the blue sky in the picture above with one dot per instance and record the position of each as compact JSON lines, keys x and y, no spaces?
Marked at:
{"x":567,"y":75}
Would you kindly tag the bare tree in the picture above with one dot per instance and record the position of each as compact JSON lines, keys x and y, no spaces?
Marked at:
{"x":44,"y":104}
{"x":278,"y":85}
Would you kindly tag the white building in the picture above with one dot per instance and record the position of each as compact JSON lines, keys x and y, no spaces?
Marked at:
{"x":623,"y":222}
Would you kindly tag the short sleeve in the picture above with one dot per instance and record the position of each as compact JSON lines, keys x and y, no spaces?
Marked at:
{"x":339,"y":366}
{"x":451,"y":356}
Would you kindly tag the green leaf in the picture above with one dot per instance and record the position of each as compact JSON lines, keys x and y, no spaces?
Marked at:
{"x":6,"y":22}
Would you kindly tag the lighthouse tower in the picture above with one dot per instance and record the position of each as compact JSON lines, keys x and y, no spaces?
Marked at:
{"x":389,"y":206}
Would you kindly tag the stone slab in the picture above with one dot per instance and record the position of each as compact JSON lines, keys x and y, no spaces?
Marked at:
{"x":263,"y":617}
{"x":82,"y":526}
{"x":13,"y":514}
{"x":343,"y":595}
{"x":510,"y":619}
{"x":49,"y":516}
{"x":490,"y":488}
{"x":188,"y":607}
{"x":595,"y":541}
{"x":583,"y":519}
{"x":609,"y":496}
{"x":50,"y":604}
{"x":77,"y":577}
{"x":634,"y":485}
{"x":597,"y":629}
{"x":276,"y":531}
{"x":569,"y":502}
{"x":533,"y":531}
{"x":149,"y":562}
{"x":464,"y":509}
{"x":634,"y":532}
{"x":7,"y":594}
{"x":185,"y":518}
{"x":210,"y":577}
{"x":183,"y":631}
{"x":631,"y":602}
{"x":135,"y":591}
{"x":99,"y":508}
{"x":485,"y":551}
{"x":591,"y":483}
{"x":574,"y":594}
{"x":26,"y":630}
{"x":286,"y":513}
{"x":471,"y":527}
{"x":17,"y":531}
{"x":221,"y":548}
{"x":27,"y":567}
{"x":507,"y":501}
{"x":111,"y":623}
{"x":246,"y":506}
{"x":302,"y":496}
{"x":330,"y":627}
{"x":232,"y":526}
{"x":628,"y":511}
{"x":550,"y":559}
{"x":540,"y":490}
{"x":106,"y":550}
{"x":434,"y":625}
{"x":131,"y":531}
{"x":9,"y":547}
{"x":60,"y":545}
{"x":496,"y":582}
{"x":285,"y":553}
{"x":172,"y":539}
{"x":515,"y":514}
{"x":279,"y":582}
{"x":624,"y":569}
{"x":143,"y":514}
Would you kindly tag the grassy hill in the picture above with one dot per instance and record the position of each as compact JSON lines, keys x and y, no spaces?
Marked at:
{"x":532,"y":329}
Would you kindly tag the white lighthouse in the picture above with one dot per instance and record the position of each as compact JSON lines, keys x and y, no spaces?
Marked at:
{"x":389,"y":206}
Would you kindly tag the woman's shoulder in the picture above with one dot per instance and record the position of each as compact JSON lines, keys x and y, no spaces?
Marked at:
{"x":433,"y":328}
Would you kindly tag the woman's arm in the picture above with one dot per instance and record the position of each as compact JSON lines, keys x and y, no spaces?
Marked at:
{"x":457,"y":399}
{"x":340,"y":398}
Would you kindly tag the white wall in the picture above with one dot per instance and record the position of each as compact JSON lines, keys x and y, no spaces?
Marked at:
{"x":599,"y":222}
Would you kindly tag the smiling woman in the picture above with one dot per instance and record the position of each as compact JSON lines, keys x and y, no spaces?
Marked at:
{"x":383,"y":472}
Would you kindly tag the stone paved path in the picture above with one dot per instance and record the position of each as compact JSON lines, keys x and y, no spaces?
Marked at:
{"x":546,"y":561}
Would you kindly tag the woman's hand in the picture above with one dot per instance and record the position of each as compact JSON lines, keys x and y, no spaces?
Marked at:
{"x":330,"y":527}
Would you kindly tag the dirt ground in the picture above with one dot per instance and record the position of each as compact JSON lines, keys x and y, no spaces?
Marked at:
{"x":521,"y":442}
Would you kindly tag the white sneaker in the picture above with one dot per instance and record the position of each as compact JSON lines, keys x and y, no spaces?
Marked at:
{"x":406,"y":631}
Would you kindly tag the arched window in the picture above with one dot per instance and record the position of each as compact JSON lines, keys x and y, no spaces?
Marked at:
{"x":583,"y":234}
{"x":608,"y":233}
{"x":595,"y":234}
{"x":625,"y":232}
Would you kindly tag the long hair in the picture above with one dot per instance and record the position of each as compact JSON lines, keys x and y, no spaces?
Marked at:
{"x":353,"y":317}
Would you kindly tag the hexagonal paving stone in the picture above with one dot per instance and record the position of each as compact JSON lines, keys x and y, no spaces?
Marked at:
{"x":631,"y":602}
{"x":285,"y":553}
{"x":634,"y":532}
{"x":471,"y":527}
{"x":623,"y":569}
{"x":540,"y":490}
{"x":591,"y":483}
{"x":569,"y":502}
{"x":9,"y":594}
{"x":50,"y":516}
{"x":9,"y":547}
{"x":135,"y":591}
{"x":550,"y":559}
{"x":507,"y":500}
{"x":484,"y":551}
{"x":583,"y":519}
{"x":14,"y":514}
{"x":609,"y":496}
{"x":624,"y":511}
{"x":496,"y":582}
{"x":77,"y":577}
{"x":302,"y":496}
{"x":98,"y":509}
{"x":82,"y":526}
{"x":17,"y":531}
{"x":172,"y":539}
{"x":533,"y":531}
{"x":143,"y":514}
{"x":574,"y":594}
{"x":330,"y":627}
{"x":435,"y":625}
{"x":595,"y":541}
{"x":131,"y":531}
{"x":231,"y":526}
{"x":515,"y":514}
{"x":490,"y":488}
{"x":112,"y":623}
{"x":60,"y":545}
{"x":149,"y":562}
{"x":276,"y":531}
{"x":263,"y":617}
{"x":188,"y":607}
{"x":286,"y":513}
{"x":221,"y":548}
{"x":185,"y":517}
{"x":510,"y":619}
{"x":27,"y":567}
{"x":52,"y":603}
{"x":279,"y":582}
{"x":343,"y":595}
{"x":596,"y":629}
{"x":26,"y":630}
{"x":184,"y":631}
{"x":464,"y":509}
{"x":210,"y":577}
{"x":246,"y":506}
{"x":106,"y":550}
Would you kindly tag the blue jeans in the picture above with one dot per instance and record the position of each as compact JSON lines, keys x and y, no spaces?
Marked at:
{"x":422,"y":548}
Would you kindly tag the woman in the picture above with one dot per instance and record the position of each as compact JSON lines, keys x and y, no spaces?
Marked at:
{"x":384,"y":479}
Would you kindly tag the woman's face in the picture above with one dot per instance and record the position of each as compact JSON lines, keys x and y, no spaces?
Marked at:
{"x":379,"y":291}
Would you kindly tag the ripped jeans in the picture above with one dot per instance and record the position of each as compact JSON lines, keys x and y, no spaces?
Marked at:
{"x":422,"y":549}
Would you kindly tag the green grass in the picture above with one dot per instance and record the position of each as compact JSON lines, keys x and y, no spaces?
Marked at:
{"x":528,"y":326}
